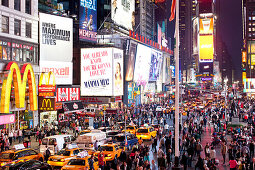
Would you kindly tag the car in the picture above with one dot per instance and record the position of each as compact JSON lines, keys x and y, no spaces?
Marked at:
{"x":111,"y":133}
{"x":159,"y":109}
{"x":80,"y":163}
{"x":26,"y":164}
{"x":63,"y":156}
{"x":111,"y":151}
{"x":120,"y":140}
{"x":146,"y":133}
{"x":19,"y":153}
{"x":130,"y":129}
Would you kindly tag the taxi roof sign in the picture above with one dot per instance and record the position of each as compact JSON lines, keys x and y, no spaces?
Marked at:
{"x":72,"y":146}
{"x":19,"y":147}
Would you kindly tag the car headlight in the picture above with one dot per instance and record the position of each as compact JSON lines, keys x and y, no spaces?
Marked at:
{"x":3,"y":163}
{"x":109,"y":155}
{"x":62,"y":160}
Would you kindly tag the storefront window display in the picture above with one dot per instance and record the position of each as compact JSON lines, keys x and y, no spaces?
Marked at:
{"x":48,"y":118}
{"x":18,"y":51}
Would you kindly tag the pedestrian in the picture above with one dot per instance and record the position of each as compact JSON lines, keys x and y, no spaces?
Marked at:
{"x":153,"y":165}
{"x":232,"y":163}
{"x":101,"y":160}
{"x":91,"y":163}
{"x":207,"y":150}
{"x":184,"y":161}
{"x":10,"y":137}
{"x":154,"y":145}
{"x":200,"y":163}
{"x":224,"y":151}
{"x":161,"y":158}
{"x":213,"y":154}
{"x":169,"y":157}
{"x":140,"y":141}
{"x":46,"y":154}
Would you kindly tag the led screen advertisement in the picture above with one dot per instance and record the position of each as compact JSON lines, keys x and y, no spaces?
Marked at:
{"x":195,"y":36}
{"x":131,"y":61}
{"x":206,"y":26}
{"x":122,"y":13}
{"x":101,"y":72}
{"x":142,"y":64}
{"x":55,"y":33}
{"x":206,"y":68}
{"x":155,"y":67}
{"x":118,"y":72}
{"x":206,"y":48}
{"x":88,"y":20}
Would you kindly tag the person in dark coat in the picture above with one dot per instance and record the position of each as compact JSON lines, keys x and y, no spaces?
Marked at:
{"x":184,"y":161}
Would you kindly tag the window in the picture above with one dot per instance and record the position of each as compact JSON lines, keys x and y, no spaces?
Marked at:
{"x":28,"y":7}
{"x":17,"y":52}
{"x":5,"y":49}
{"x":17,"y":5}
{"x":17,"y":25}
{"x":5,"y":3}
{"x":5,"y":24}
{"x":28,"y":30}
{"x":75,"y":152}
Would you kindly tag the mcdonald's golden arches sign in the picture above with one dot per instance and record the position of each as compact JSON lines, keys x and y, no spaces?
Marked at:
{"x":46,"y":104}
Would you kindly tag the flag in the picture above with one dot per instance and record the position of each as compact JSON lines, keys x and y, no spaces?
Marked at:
{"x":172,"y":10}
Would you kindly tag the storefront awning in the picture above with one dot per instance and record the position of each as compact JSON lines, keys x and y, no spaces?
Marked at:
{"x":73,"y":106}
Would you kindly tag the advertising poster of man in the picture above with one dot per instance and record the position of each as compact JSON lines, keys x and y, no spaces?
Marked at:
{"x":131,"y":62}
{"x":88,"y":20}
{"x":156,"y":62}
{"x":118,"y":72}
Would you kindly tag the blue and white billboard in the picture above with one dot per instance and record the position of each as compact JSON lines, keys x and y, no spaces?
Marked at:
{"x":88,"y":20}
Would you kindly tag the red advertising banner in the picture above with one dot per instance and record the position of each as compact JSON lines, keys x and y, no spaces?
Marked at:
{"x":46,"y":88}
{"x":67,"y":94}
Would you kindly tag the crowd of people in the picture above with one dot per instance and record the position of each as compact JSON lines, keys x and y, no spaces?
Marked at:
{"x":234,"y":144}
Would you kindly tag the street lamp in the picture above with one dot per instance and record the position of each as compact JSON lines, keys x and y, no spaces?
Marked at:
{"x":225,"y":85}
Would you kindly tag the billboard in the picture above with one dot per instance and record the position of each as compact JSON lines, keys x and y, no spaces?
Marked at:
{"x":67,"y":94}
{"x":63,"y":71}
{"x":123,"y":13}
{"x":142,"y":64}
{"x":206,"y":68}
{"x":55,"y":32}
{"x":118,"y":72}
{"x":98,"y":65}
{"x":195,"y":36}
{"x":131,"y":61}
{"x":206,"y":26}
{"x":13,"y":77}
{"x":206,"y":48}
{"x":155,"y":67}
{"x":88,"y":20}
{"x":46,"y":104}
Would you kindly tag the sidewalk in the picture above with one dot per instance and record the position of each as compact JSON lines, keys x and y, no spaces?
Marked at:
{"x":207,"y":138}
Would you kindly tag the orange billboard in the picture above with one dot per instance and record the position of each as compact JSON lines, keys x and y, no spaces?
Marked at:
{"x":206,"y":48}
{"x":206,"y":26}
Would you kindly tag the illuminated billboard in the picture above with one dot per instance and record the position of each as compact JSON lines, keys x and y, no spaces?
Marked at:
{"x":131,"y":61}
{"x":206,"y":26}
{"x":206,"y":48}
{"x":101,"y":72}
{"x":88,"y":20}
{"x":195,"y":36}
{"x":156,"y":63}
{"x":123,"y":13}
{"x":55,"y":32}
{"x":206,"y":68}
{"x":142,"y":64}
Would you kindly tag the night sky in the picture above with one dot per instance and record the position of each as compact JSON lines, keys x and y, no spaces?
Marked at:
{"x":231,"y":31}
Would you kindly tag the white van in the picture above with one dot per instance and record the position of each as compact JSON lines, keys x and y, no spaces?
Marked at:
{"x":88,"y":140}
{"x":55,"y":143}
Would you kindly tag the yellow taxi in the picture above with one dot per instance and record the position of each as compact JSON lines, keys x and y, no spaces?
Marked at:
{"x":130,"y":129}
{"x":146,"y":133}
{"x":80,"y":164}
{"x":110,"y":151}
{"x":63,"y":156}
{"x":18,"y":154}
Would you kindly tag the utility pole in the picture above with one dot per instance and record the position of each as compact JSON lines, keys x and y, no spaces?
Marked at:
{"x":176,"y":132}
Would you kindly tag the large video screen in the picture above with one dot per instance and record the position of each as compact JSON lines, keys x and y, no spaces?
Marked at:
{"x":206,"y":48}
{"x":142,"y":64}
{"x":88,"y":20}
{"x":156,"y":63}
{"x":131,"y":61}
